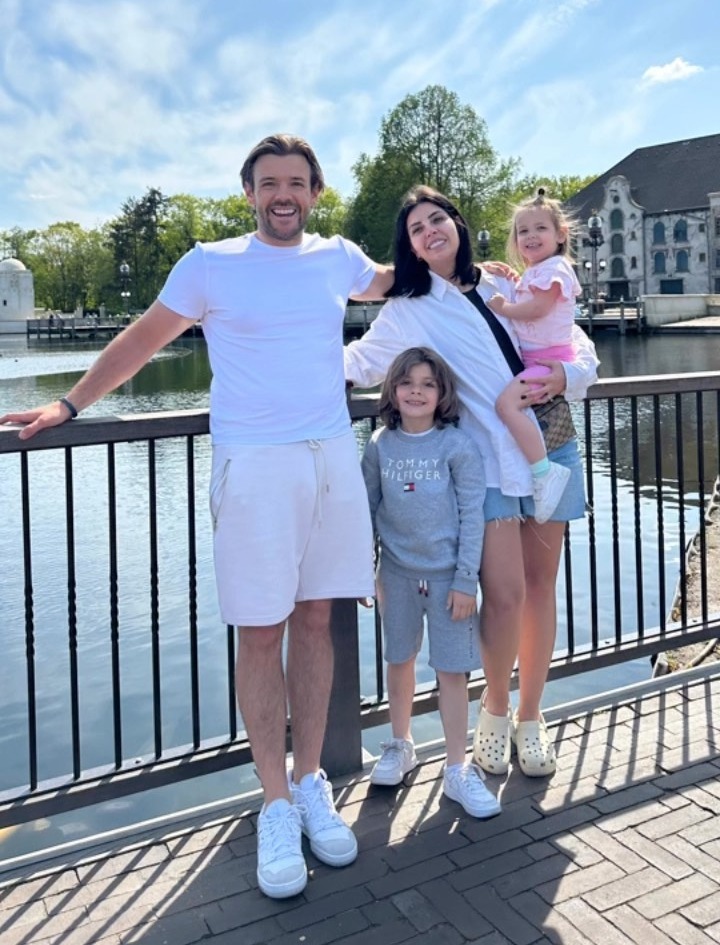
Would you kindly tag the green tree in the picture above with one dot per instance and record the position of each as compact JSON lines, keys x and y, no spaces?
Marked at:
{"x":328,"y":216}
{"x":231,"y":216}
{"x":560,"y":188}
{"x":70,"y":266}
{"x":499,"y":211}
{"x":429,"y":138}
{"x":186,"y":220}
{"x":381,"y":183}
{"x":16,"y":242}
{"x":135,"y":239}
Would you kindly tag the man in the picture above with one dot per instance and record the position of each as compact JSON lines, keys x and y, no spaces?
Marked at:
{"x":286,"y":487}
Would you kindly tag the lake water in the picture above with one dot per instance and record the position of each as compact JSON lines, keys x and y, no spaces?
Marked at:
{"x":179,"y":379}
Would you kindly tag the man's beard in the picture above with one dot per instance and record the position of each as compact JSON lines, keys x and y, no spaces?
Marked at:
{"x":267,"y":224}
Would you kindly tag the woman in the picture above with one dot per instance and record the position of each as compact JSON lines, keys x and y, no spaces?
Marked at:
{"x":433,"y":268}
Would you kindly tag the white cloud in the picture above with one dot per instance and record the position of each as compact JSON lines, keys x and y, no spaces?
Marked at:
{"x":674,"y":71}
{"x":133,"y":40}
{"x":100,"y":99}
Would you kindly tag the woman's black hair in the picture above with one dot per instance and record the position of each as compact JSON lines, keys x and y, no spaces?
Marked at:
{"x":412,"y":275}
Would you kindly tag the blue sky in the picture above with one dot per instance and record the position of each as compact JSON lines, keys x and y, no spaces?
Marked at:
{"x":100,"y":99}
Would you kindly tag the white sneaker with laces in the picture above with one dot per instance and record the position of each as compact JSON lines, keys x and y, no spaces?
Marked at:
{"x":331,"y":840}
{"x":281,"y":870}
{"x":397,"y":760}
{"x":548,"y":490}
{"x":465,"y":784}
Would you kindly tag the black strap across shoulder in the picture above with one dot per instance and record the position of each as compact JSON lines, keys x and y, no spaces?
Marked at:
{"x":501,"y":336}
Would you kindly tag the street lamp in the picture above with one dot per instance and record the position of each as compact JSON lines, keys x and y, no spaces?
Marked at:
{"x":587,"y":266}
{"x":125,"y":283}
{"x":595,"y":239}
{"x":483,"y":239}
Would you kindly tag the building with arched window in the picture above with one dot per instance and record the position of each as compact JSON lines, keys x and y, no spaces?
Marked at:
{"x":660,"y":213}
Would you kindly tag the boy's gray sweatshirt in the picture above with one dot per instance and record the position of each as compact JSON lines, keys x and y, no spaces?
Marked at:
{"x":426,"y":495}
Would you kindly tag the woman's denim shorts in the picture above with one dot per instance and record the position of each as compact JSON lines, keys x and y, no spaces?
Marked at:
{"x":572,"y":504}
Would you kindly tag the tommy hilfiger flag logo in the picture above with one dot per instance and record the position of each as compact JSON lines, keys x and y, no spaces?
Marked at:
{"x":409,"y":487}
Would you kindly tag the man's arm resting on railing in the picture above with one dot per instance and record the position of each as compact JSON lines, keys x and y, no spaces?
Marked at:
{"x":122,"y":359}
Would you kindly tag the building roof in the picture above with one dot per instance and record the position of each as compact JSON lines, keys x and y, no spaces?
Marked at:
{"x":11,"y":265}
{"x":663,"y":178}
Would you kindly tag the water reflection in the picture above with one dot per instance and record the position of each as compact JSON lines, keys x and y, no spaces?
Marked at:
{"x":646,"y":355}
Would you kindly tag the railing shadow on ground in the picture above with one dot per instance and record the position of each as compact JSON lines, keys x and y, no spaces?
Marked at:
{"x":650,"y":447}
{"x":618,"y":845}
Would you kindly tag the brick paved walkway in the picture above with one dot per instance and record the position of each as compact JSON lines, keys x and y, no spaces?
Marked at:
{"x":622,"y":845}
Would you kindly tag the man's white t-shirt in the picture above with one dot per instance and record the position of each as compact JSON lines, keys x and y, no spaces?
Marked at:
{"x":272,"y":318}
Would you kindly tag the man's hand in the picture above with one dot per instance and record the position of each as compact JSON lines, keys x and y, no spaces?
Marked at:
{"x":462,"y":605}
{"x":41,"y":418}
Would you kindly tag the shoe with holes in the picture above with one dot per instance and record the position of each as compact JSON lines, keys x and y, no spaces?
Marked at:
{"x":492,"y":741}
{"x":535,"y":749}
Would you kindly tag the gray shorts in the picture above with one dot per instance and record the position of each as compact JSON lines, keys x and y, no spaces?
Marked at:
{"x":453,"y":644}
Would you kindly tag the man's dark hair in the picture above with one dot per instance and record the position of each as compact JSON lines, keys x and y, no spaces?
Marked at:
{"x":281,"y":145}
{"x":412,"y":275}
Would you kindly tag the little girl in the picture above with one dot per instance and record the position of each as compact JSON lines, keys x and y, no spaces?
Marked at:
{"x":426,"y":485}
{"x":543,"y":318}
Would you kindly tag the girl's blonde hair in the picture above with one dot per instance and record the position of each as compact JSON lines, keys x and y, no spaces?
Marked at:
{"x":448,"y":406}
{"x":562,"y":219}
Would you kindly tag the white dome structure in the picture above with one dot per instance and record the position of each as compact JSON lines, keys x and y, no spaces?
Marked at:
{"x":17,"y":296}
{"x":12,"y":265}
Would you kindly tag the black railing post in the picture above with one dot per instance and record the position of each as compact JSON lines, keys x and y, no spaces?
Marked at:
{"x":342,"y":751}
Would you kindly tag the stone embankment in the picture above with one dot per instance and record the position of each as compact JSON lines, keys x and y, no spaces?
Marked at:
{"x":688,"y":656}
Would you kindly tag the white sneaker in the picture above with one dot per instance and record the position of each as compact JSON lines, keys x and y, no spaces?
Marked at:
{"x":331,"y":840}
{"x":465,"y":784}
{"x":548,"y":490}
{"x":281,"y":869}
{"x":398,"y":758}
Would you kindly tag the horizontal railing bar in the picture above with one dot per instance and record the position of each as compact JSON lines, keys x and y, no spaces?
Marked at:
{"x":105,"y":784}
{"x":86,"y":431}
{"x":124,"y":428}
{"x":361,"y":405}
{"x":655,"y":384}
{"x":583,"y":660}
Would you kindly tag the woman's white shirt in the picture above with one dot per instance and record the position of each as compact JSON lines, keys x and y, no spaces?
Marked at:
{"x":451,"y":325}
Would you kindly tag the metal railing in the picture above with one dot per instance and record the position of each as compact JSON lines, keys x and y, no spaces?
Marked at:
{"x":75,"y":327}
{"x":651,"y":450}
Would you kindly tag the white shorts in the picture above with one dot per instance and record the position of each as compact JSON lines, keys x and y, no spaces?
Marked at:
{"x":291,"y":523}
